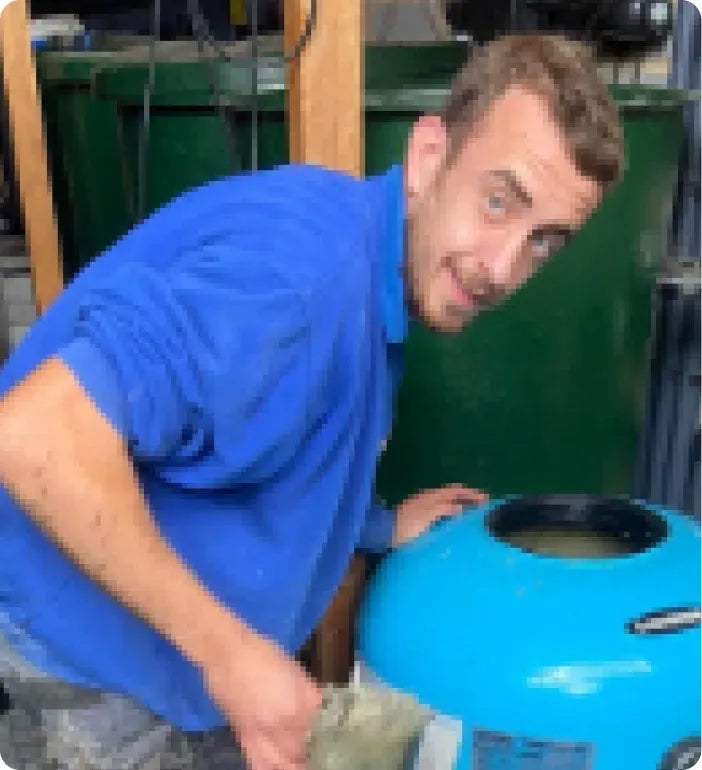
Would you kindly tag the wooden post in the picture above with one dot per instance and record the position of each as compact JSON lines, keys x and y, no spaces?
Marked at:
{"x":324,"y":85}
{"x":325,"y":123}
{"x":27,"y":140}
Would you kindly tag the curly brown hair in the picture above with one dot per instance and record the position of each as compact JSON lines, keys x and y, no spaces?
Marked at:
{"x":561,"y":70}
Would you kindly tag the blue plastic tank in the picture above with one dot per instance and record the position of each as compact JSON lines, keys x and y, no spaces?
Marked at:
{"x":563,"y":631}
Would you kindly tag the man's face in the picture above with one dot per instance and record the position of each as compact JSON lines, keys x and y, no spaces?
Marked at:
{"x":481,"y":224}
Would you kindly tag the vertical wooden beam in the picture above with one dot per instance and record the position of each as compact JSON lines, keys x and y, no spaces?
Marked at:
{"x":333,"y":643}
{"x":325,"y":85}
{"x":27,"y":140}
{"x":325,"y":123}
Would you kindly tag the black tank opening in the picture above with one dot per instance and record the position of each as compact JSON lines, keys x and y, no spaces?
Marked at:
{"x":577,"y":526}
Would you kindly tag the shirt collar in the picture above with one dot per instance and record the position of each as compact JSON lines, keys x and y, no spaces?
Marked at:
{"x":394,"y":306}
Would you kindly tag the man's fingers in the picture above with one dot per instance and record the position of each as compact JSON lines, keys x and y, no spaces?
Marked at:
{"x":289,"y":742}
{"x":266,"y":753}
{"x":466,"y":494}
{"x":455,"y":494}
{"x":279,"y":759}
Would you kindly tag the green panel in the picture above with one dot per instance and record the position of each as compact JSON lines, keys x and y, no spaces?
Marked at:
{"x":56,"y":156}
{"x":85,"y":155}
{"x":189,"y":147}
{"x":186,"y":149}
{"x":386,"y":134}
{"x":93,"y":169}
{"x":392,"y":66}
{"x":545,"y":393}
{"x":272,"y":139}
{"x":86,"y":172}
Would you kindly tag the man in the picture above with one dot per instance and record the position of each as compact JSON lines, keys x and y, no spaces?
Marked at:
{"x":195,"y":422}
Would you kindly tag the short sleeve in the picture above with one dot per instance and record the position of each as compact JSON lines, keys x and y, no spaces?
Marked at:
{"x":167,"y":354}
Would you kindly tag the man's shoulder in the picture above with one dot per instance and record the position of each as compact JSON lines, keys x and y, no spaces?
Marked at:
{"x":311,"y":223}
{"x":309,"y":180}
{"x":300,"y":200}
{"x":323,"y":198}
{"x":294,"y":228}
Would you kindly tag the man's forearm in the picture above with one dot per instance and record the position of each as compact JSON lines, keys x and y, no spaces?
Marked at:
{"x":70,"y":471}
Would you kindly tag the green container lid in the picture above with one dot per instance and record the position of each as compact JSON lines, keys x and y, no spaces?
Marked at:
{"x":395,"y":76}
{"x":404,"y":78}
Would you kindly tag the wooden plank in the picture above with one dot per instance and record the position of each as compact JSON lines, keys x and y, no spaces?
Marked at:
{"x":325,"y":125}
{"x":324,"y":85}
{"x":333,"y":644}
{"x":27,"y":139}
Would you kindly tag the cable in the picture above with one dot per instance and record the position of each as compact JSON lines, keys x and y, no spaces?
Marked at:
{"x":199,"y":30}
{"x":254,"y":85}
{"x":146,"y":118}
{"x":288,"y":58}
{"x":310,"y":24}
{"x":203,"y":34}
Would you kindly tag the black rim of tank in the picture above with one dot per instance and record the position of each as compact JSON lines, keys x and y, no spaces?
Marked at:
{"x":630,"y":525}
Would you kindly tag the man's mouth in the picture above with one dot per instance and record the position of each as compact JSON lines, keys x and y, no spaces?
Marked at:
{"x":463,"y":296}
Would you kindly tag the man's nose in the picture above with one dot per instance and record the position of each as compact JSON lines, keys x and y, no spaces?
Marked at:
{"x":508,"y":266}
{"x":483,"y":287}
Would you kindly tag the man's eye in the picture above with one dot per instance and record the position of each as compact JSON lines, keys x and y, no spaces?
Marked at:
{"x":496,"y":204}
{"x":541,"y":246}
{"x":545,"y":245}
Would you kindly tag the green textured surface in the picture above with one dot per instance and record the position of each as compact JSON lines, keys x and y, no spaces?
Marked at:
{"x":86,"y":157}
{"x":542,"y":395}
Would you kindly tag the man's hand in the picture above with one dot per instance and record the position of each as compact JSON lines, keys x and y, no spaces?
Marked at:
{"x":268,"y":699}
{"x":421,"y":510}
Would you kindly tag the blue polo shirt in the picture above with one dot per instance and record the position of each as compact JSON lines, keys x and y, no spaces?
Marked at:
{"x":245,"y":342}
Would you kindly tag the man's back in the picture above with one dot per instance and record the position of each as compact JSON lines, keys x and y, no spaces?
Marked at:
{"x":235,"y":340}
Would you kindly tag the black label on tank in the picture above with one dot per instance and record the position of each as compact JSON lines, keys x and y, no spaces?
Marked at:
{"x":496,"y":750}
{"x":666,"y":621}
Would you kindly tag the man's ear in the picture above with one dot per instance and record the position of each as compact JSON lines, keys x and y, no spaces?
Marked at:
{"x":426,"y":154}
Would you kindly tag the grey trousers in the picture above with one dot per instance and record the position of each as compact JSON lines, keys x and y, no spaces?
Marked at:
{"x":53,"y":725}
{"x":109,"y":734}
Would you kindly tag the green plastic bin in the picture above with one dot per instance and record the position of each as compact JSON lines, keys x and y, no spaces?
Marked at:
{"x":86,"y":155}
{"x":542,"y":395}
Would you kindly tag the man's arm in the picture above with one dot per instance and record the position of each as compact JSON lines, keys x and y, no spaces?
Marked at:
{"x":70,"y":470}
